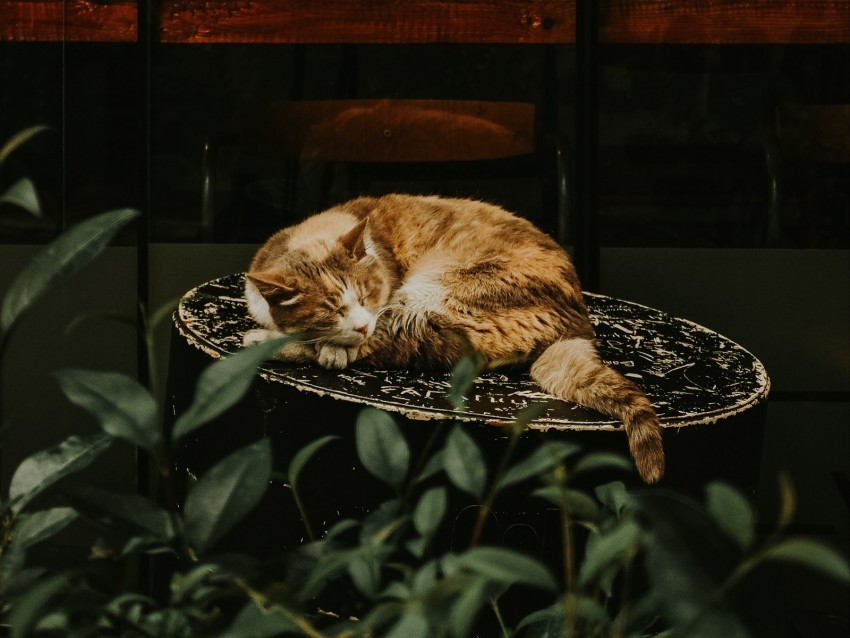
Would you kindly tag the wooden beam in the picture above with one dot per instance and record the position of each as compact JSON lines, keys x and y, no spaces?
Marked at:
{"x":368,"y":21}
{"x":71,"y":20}
{"x":725,"y":21}
{"x":432,"y":21}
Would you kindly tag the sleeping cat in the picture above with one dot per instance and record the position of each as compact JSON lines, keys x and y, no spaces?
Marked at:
{"x":415,"y":282}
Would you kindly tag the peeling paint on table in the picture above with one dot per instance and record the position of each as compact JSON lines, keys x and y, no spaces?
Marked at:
{"x":691,"y":374}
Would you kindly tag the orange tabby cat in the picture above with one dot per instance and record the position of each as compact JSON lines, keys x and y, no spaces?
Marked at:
{"x":407,"y":281}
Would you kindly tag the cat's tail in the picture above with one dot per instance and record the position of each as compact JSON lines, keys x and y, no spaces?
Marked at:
{"x":571,"y":369}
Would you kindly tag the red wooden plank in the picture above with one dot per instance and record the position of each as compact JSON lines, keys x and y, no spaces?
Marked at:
{"x":725,"y":21}
{"x":368,"y":21}
{"x":428,"y":21}
{"x":71,"y":20}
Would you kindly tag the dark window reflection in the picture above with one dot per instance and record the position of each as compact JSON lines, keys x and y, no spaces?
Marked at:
{"x":703,"y":146}
{"x":730,"y":146}
{"x":88,"y":161}
{"x":212,"y":183}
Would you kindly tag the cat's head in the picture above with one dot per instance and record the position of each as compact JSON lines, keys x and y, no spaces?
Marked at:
{"x":330,"y":292}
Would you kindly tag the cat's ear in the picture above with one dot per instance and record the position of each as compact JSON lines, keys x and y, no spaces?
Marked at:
{"x":273,"y":290}
{"x":354,"y":241}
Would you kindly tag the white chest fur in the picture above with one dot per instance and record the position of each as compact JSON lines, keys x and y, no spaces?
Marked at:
{"x":420,"y":295}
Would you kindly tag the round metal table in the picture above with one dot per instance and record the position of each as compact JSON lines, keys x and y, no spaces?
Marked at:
{"x":691,"y":374}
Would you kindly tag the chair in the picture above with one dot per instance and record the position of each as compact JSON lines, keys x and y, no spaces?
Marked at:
{"x":302,"y":156}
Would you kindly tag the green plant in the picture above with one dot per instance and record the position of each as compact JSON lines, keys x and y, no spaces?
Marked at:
{"x":629,"y":563}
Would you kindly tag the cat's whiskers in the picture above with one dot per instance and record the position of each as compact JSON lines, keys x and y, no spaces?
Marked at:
{"x":303,"y":339}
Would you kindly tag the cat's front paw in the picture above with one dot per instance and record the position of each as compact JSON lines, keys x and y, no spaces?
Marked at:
{"x":335,"y":357}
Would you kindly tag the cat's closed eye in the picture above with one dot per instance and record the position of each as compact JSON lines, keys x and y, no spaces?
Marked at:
{"x":331,"y":307}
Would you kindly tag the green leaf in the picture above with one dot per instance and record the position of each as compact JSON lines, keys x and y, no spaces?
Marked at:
{"x":38,"y":526}
{"x":56,"y":621}
{"x":22,"y":194}
{"x":602,"y":461}
{"x":30,"y":607}
{"x":127,"y":507}
{"x":464,"y":463}
{"x":417,"y":546}
{"x":382,"y":522}
{"x":341,"y":527}
{"x":69,"y":252}
{"x":539,"y":461}
{"x":613,"y":495}
{"x":432,"y":466}
{"x":426,"y":579}
{"x":185,"y":585}
{"x":429,"y":511}
{"x":329,"y":566}
{"x":812,"y":555}
{"x":124,"y":408}
{"x":254,"y":622}
{"x":19,"y":139}
{"x":463,"y":376}
{"x":168,"y":623}
{"x":379,"y":616}
{"x":507,"y":567}
{"x":554,"y":616}
{"x":226,"y":493}
{"x":575,"y":503}
{"x":449,"y":564}
{"x":411,"y":625}
{"x":224,"y":383}
{"x":473,"y":595}
{"x":731,"y":512}
{"x":304,"y":455}
{"x":101,"y":314}
{"x":606,"y":548}
{"x":122,"y":603}
{"x":381,"y":447}
{"x":687,"y":560}
{"x":30,"y":530}
{"x":41,"y":470}
{"x":396,"y":590}
{"x":365,"y":572}
{"x":163,"y":312}
{"x":525,"y":417}
{"x":151,"y":545}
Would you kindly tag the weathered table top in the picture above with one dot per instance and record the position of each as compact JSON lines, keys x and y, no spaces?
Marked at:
{"x":691,"y":374}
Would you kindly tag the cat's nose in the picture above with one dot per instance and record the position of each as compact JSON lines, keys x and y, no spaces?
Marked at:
{"x":364,"y":329}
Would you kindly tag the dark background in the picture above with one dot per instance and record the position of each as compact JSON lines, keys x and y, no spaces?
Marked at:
{"x":689,"y":150}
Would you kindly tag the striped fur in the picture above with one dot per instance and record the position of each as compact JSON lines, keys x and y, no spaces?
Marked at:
{"x":407,"y":281}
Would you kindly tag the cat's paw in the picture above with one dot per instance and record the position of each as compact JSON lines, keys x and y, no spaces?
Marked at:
{"x":335,"y":357}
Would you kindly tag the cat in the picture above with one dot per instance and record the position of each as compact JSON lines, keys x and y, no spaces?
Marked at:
{"x":416,"y":281}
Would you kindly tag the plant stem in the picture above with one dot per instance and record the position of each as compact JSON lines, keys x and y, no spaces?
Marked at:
{"x":719,"y":594}
{"x":487,"y":505}
{"x":422,"y":459}
{"x":303,"y":513}
{"x":569,"y":573}
{"x":494,"y":605}
{"x":619,"y":628}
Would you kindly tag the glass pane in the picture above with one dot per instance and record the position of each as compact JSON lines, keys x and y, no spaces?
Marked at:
{"x":88,"y":159}
{"x":724,"y":145}
{"x":234,"y":157}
